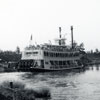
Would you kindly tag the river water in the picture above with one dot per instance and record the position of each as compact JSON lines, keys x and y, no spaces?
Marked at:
{"x":63,"y":85}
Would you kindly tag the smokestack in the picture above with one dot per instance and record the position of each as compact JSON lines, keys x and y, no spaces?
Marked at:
{"x":60,"y":35}
{"x":72,"y":36}
{"x":60,"y":32}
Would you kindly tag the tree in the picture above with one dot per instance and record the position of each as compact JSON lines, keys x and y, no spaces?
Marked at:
{"x":17,"y":50}
{"x":96,"y":50}
{"x":81,"y":46}
{"x":91,"y":51}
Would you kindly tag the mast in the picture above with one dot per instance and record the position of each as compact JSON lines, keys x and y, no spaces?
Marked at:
{"x":72,"y":36}
{"x":59,"y":35}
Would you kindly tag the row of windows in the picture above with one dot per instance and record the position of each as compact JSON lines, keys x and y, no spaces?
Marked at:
{"x":65,"y":62}
{"x":57,"y":67}
{"x":50,"y":54}
{"x":31,"y":52}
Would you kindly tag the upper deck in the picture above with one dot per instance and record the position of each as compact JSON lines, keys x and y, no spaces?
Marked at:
{"x":50,"y":52}
{"x":55,"y":48}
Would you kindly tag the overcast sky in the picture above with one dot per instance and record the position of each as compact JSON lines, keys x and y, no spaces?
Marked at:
{"x":42,"y":18}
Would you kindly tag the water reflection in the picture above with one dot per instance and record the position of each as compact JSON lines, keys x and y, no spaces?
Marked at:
{"x":77,"y":84}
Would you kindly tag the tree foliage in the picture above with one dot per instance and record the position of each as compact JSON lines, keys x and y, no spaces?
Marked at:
{"x":94,"y":54}
{"x":17,"y":50}
{"x":9,"y":56}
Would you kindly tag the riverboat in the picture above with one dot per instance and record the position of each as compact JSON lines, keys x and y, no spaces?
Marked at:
{"x":51,"y":57}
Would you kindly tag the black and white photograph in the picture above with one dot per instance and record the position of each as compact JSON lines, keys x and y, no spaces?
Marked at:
{"x":49,"y":49}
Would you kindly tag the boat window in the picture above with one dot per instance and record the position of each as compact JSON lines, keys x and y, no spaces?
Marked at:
{"x":44,"y":53}
{"x":56,"y":54}
{"x":64,"y":62}
{"x":51,"y":54}
{"x":62,"y":54}
{"x":35,"y":52}
{"x":52,"y":63}
{"x":68,"y":62}
{"x":46,"y":62}
{"x":28,"y":53}
{"x":60,"y":62}
{"x":42,"y":63}
{"x":56,"y":62}
{"x":71,"y":54}
{"x":31,"y":52}
{"x":47,"y":53}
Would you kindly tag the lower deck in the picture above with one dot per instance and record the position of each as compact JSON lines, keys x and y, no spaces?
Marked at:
{"x":50,"y":65}
{"x":48,"y":70}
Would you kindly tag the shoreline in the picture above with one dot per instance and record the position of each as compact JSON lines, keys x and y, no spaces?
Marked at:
{"x":93,"y":62}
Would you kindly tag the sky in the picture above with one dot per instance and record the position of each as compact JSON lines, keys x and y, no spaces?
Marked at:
{"x":42,"y":18}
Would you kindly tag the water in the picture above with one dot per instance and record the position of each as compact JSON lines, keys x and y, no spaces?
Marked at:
{"x":64,"y":85}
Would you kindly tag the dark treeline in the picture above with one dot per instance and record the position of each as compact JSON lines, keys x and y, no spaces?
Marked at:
{"x":7,"y":56}
{"x":94,"y":55}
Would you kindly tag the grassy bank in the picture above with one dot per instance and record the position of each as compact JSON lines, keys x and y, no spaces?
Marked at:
{"x":17,"y":91}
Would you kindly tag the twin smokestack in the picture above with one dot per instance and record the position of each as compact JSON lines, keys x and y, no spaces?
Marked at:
{"x":71,"y":36}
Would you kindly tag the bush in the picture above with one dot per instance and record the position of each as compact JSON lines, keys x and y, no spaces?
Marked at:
{"x":21,"y":93}
{"x":16,"y":85}
{"x":25,"y":95}
{"x":42,"y":92}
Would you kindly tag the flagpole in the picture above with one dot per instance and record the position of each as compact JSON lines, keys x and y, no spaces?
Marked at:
{"x":31,"y":38}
